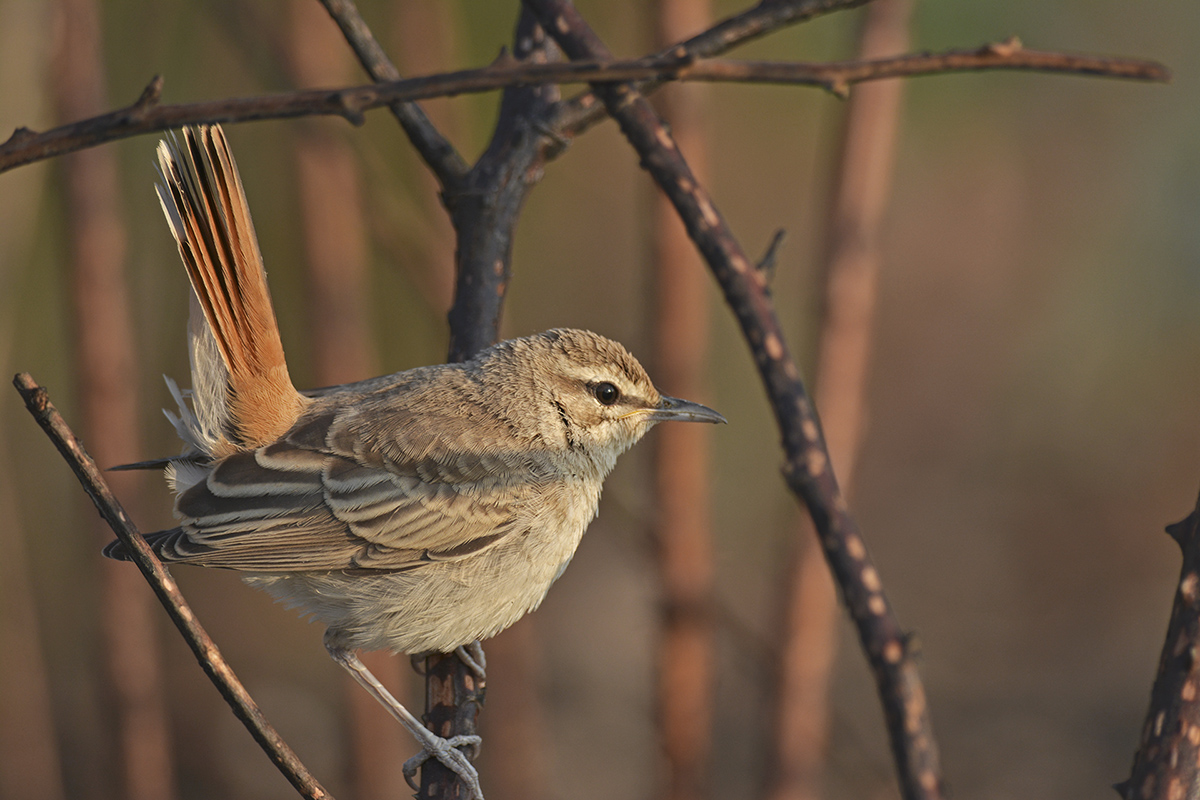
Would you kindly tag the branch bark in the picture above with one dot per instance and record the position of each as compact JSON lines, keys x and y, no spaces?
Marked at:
{"x":486,"y":211}
{"x":1167,"y":763}
{"x":146,"y":115}
{"x":807,"y":468}
{"x":37,"y":400}
{"x":434,"y":148}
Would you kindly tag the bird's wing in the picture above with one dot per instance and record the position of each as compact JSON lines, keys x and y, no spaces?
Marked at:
{"x":306,"y":504}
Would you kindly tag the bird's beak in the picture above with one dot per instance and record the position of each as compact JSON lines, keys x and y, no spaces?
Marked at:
{"x":672,"y":408}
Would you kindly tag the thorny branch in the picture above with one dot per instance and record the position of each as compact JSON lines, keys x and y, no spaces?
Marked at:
{"x":583,"y":111}
{"x":1167,"y":762}
{"x":807,"y":468}
{"x":147,"y":115}
{"x":37,"y":400}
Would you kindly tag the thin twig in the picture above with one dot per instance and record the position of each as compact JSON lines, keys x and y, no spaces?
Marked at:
{"x":807,"y":468}
{"x":583,"y":111}
{"x":837,"y":77}
{"x":211,"y":661}
{"x":434,"y":148}
{"x":146,"y":115}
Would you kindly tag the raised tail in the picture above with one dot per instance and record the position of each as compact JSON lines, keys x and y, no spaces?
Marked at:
{"x":241,"y":391}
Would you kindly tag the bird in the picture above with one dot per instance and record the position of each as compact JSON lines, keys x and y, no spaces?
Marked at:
{"x":416,"y":512}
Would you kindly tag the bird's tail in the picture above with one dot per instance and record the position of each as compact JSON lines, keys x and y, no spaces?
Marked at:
{"x":242,"y":395}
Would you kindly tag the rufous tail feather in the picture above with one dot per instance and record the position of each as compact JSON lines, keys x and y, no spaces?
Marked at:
{"x":202,"y":197}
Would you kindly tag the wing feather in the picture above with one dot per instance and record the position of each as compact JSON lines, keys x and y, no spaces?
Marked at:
{"x":297,"y":505}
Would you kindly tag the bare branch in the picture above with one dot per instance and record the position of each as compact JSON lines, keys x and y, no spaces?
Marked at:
{"x":837,"y":77}
{"x":1167,"y":763}
{"x":486,"y":211}
{"x":807,"y":468}
{"x":436,"y":151}
{"x":211,"y":661}
{"x":146,"y":115}
{"x":583,"y":111}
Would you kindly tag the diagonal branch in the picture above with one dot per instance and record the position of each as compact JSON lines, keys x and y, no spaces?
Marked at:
{"x":146,"y":115}
{"x":1167,"y":762}
{"x":807,"y":467}
{"x":211,"y":661}
{"x":436,"y":151}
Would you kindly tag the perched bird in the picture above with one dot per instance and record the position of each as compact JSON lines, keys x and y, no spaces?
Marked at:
{"x":415,"y":512}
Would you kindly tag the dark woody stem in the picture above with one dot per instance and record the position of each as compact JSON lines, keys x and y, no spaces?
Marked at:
{"x":807,"y":467}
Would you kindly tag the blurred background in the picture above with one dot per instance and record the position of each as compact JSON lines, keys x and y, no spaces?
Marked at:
{"x":1030,"y":409}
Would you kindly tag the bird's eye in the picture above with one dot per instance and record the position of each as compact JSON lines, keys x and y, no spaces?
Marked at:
{"x":606,"y":393}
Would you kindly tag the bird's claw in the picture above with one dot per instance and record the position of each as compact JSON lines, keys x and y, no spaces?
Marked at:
{"x":473,"y":656}
{"x":447,"y":752}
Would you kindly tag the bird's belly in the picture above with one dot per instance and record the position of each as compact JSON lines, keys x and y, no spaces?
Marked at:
{"x":440,"y":605}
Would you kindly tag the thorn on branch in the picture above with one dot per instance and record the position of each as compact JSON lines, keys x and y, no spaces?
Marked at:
{"x":766,"y":264}
{"x":1179,"y":531}
{"x":21,"y":134}
{"x":149,"y":97}
{"x":838,"y":87}
{"x":1009,"y":47}
{"x":503,"y":59}
{"x":351,"y":103}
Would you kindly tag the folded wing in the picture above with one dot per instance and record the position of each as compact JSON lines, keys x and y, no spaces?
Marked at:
{"x":299,"y":505}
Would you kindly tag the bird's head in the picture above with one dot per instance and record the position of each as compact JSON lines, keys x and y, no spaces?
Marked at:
{"x":593,"y":395}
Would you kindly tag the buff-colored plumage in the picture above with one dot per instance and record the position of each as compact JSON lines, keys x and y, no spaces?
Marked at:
{"x":425,"y":510}
{"x":414,"y":512}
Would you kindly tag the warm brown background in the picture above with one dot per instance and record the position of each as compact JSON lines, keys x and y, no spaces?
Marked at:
{"x":1033,"y":415}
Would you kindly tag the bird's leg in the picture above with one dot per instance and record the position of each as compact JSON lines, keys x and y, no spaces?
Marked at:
{"x":432,"y":745}
{"x":473,"y":656}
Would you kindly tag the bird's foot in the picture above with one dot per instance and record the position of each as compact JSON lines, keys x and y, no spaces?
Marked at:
{"x":473,"y":656}
{"x":470,"y":654}
{"x":448,"y":753}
